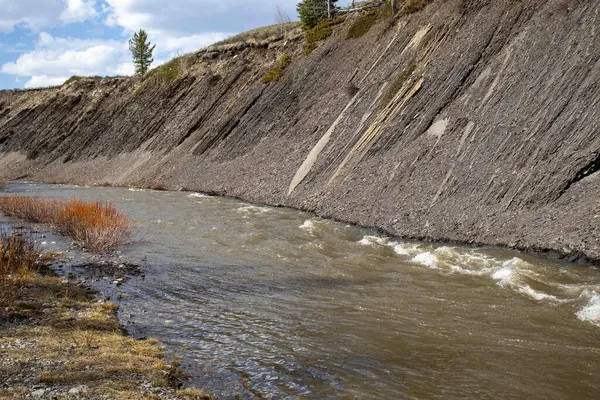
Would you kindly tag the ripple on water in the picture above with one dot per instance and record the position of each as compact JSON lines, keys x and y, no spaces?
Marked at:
{"x":198,"y":195}
{"x":308,"y":226}
{"x":591,"y":311}
{"x":298,"y":307}
{"x":253,"y":210}
{"x":400,"y":248}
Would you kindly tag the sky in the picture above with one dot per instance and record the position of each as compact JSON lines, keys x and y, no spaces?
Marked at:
{"x":44,"y":42}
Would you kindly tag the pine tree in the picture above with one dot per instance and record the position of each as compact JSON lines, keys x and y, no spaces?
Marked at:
{"x":312,"y":11}
{"x":141,"y":50}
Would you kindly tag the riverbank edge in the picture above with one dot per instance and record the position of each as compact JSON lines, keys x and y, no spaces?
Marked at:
{"x":574,"y":257}
{"x":60,"y":339}
{"x":547,"y":252}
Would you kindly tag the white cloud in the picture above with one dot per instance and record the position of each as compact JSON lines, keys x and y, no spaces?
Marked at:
{"x":91,"y":61}
{"x":44,"y":81}
{"x":55,"y":58}
{"x":39,"y":14}
{"x":34,"y":14}
{"x":78,"y":10}
{"x":175,"y":26}
{"x":178,"y":18}
{"x":124,"y":69}
{"x":186,"y":44}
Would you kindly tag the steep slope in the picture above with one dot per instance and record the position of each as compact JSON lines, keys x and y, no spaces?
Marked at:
{"x":470,"y":121}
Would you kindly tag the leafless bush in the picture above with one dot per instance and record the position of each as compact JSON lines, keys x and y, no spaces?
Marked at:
{"x":95,"y":226}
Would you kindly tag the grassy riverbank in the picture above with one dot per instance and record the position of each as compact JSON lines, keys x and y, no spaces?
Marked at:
{"x":58,"y":341}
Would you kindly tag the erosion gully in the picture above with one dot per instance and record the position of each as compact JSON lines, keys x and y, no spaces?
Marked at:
{"x":275,"y":303}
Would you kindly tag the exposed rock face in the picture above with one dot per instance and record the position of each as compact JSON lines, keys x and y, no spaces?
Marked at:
{"x":474,"y":121}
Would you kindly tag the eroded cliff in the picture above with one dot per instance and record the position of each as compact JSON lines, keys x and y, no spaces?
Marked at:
{"x":471,"y":121}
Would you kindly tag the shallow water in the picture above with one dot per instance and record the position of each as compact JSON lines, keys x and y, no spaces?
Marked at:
{"x":274,"y":303}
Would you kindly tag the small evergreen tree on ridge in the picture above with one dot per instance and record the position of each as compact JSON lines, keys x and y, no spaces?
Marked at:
{"x":141,"y":50}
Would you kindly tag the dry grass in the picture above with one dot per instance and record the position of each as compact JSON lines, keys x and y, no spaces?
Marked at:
{"x":258,"y":35}
{"x":60,"y":336}
{"x":95,"y":226}
{"x":77,"y":342}
{"x":3,"y":185}
{"x":18,"y":261}
{"x":18,"y":256}
{"x":193,"y":394}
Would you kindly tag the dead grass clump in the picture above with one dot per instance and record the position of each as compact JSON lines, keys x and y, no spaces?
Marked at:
{"x":77,"y":342}
{"x":18,"y":256}
{"x":258,"y":35}
{"x":3,"y":185}
{"x":18,"y":262}
{"x":193,"y":394}
{"x":159,"y":185}
{"x":95,"y":226}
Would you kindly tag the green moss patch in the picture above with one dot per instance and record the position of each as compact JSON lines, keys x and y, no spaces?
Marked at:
{"x":275,"y":71}
{"x":72,"y":79}
{"x":413,"y":6}
{"x":362,"y":25}
{"x":395,"y":87}
{"x":320,"y":32}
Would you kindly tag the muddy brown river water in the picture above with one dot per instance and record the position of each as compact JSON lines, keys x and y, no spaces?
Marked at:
{"x":275,"y":303}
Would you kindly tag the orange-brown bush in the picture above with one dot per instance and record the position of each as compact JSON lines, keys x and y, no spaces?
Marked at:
{"x":95,"y":226}
{"x":28,"y":209}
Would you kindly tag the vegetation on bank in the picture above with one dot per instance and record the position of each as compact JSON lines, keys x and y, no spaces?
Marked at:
{"x":320,"y":32}
{"x":257,"y":36}
{"x":18,"y":260}
{"x":57,"y":339}
{"x":95,"y":226}
{"x":311,"y":12}
{"x":274,"y":73}
{"x":363,"y":24}
{"x":3,"y":185}
{"x":413,"y":6}
{"x":398,"y":83}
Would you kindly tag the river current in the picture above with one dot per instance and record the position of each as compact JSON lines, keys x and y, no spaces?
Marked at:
{"x":275,"y":303}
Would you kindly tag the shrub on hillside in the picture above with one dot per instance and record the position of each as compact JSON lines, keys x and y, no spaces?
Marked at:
{"x":311,"y":12}
{"x":274,"y":73}
{"x":362,"y":25}
{"x":320,"y":32}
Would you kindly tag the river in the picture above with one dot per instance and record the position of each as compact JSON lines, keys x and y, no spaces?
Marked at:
{"x":275,"y":303}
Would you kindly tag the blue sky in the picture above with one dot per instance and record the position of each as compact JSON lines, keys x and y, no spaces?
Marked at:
{"x":44,"y":42}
